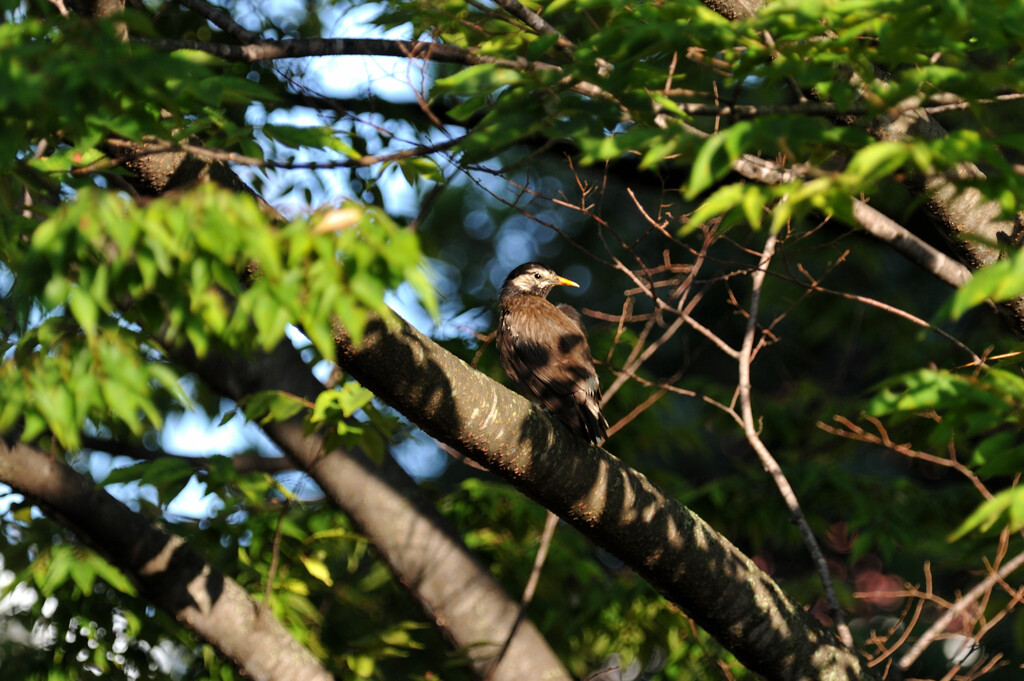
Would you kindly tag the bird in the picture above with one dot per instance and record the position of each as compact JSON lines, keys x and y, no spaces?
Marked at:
{"x":544,"y":350}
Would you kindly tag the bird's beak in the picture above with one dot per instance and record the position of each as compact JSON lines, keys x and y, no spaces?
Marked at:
{"x":562,"y":281}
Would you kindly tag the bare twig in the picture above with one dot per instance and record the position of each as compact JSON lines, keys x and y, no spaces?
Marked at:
{"x":767,"y":460}
{"x":550,"y":523}
{"x":855,"y":432}
{"x":981,"y":590}
{"x":274,"y":558}
{"x":891,"y":309}
{"x":968,"y":599}
{"x":901,"y":625}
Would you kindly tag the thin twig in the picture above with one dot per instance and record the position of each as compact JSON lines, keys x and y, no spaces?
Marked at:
{"x":939,"y":625}
{"x":550,"y":523}
{"x":902,"y":625}
{"x":767,"y":460}
{"x":891,"y":309}
{"x":274,"y":557}
{"x":855,"y":432}
{"x":643,"y":357}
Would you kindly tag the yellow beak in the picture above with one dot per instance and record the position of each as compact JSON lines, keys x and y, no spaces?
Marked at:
{"x":567,"y":282}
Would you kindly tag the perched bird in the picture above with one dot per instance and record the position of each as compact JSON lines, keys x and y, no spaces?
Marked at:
{"x":544,"y":349}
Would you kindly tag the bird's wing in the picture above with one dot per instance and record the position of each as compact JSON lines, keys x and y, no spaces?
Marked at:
{"x":550,"y":351}
{"x":551,"y":359}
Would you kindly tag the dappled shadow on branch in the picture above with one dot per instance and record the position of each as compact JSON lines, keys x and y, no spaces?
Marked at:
{"x":613,"y":505}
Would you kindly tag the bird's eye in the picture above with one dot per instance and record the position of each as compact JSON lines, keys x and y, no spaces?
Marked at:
{"x":536,"y":275}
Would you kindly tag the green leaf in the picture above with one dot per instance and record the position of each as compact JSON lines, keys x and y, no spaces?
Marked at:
{"x":315,"y":137}
{"x":57,"y":405}
{"x":338,"y":404}
{"x":271,"y":405}
{"x":754,"y":200}
{"x":877,"y":160}
{"x":1001,"y":281}
{"x":420,"y":168}
{"x":110,"y":574}
{"x":478,"y":78}
{"x":84,"y":308}
{"x":986,"y":515}
{"x":132,"y":473}
{"x":317,"y":568}
{"x":721,"y":201}
{"x":166,"y":469}
{"x":56,"y":568}
{"x":715,"y":158}
{"x":334,"y":533}
{"x":83,"y":575}
{"x":362,"y":666}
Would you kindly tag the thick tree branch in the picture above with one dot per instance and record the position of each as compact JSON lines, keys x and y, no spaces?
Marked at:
{"x":164,"y":568}
{"x":613,"y":505}
{"x":423,"y":550}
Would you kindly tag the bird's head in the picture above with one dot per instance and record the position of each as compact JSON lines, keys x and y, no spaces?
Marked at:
{"x":533,"y":279}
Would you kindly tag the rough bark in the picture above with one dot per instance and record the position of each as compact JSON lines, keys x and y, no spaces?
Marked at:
{"x":421,"y":548}
{"x":611,"y":504}
{"x":165,"y":569}
{"x":735,"y":9}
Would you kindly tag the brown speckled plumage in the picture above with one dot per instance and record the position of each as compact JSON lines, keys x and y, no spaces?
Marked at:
{"x":544,"y":349}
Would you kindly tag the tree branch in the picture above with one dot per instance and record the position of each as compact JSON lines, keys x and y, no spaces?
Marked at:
{"x":242,"y":463}
{"x":423,"y":551}
{"x":165,"y":569}
{"x":969,"y":221}
{"x":158,"y":147}
{"x":331,"y":47}
{"x":528,"y":17}
{"x":608,"y":502}
{"x":771,"y":466}
{"x":221,"y":20}
{"x":970,"y":598}
{"x":873,"y":221}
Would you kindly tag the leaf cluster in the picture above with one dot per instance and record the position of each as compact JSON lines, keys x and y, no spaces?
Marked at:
{"x":611,"y":99}
{"x":106,"y":291}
